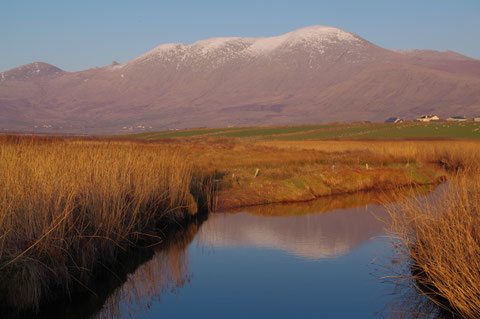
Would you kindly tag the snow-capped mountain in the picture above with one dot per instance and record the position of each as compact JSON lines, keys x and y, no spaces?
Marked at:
{"x":316,"y":74}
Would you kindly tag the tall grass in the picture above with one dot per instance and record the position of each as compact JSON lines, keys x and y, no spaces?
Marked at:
{"x":450,"y":153}
{"x":439,"y":243}
{"x":67,"y":207}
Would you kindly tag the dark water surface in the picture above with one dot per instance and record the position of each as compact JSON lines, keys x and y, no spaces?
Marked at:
{"x":320,"y":259}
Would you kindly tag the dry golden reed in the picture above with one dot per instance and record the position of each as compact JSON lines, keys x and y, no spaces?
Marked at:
{"x":450,"y":153}
{"x":438,"y":240}
{"x":67,"y":206}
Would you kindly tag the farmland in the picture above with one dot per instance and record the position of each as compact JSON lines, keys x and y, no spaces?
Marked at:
{"x":343,"y":131}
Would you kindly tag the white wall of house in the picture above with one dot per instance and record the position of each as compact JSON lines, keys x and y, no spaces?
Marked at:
{"x":428,"y":118}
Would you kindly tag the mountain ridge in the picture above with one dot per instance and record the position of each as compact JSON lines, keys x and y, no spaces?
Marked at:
{"x":311,"y":75}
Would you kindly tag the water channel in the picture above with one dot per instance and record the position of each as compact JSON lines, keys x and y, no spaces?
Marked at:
{"x":319,"y":259}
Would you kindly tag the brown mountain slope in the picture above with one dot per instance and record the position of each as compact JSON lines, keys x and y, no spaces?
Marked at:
{"x":315,"y":74}
{"x":402,"y":89}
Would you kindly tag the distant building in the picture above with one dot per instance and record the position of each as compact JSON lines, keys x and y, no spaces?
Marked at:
{"x":457,"y":119}
{"x":476,"y":119}
{"x":427,"y":118}
{"x":394,"y":120}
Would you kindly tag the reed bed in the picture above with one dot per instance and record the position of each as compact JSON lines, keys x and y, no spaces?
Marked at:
{"x":438,"y":242}
{"x":449,"y":153}
{"x":69,"y":206}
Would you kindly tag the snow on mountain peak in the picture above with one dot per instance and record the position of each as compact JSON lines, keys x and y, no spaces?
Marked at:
{"x":213,"y":44}
{"x":168,"y":47}
{"x":315,"y":37}
{"x":323,"y":32}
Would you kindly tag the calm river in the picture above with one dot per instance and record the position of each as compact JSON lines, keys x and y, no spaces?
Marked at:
{"x":319,"y":259}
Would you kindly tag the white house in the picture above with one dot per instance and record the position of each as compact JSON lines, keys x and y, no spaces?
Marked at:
{"x":427,"y":118}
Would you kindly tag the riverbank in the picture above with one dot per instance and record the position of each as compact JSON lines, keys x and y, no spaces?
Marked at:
{"x":255,"y":173}
{"x":264,"y":186}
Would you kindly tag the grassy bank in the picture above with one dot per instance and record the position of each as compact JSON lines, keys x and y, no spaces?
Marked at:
{"x":254,"y":173}
{"x":69,"y":206}
{"x":327,"y":204}
{"x":314,"y":180}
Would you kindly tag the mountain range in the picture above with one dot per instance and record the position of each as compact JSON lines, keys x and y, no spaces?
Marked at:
{"x":312,"y":75}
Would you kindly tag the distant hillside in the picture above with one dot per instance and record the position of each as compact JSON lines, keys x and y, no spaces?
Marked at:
{"x":308,"y":76}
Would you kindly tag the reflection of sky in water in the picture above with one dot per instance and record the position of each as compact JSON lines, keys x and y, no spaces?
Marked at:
{"x":258,"y":265}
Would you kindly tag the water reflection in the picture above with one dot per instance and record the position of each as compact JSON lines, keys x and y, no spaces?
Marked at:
{"x":167,"y":271}
{"x":312,"y":236}
{"x":325,"y":228}
{"x":138,"y":279}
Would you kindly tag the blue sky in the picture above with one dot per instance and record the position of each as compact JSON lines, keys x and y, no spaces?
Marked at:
{"x":76,"y":35}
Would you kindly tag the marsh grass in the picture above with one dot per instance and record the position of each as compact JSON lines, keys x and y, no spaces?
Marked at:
{"x":438,"y":242}
{"x":68,"y":207}
{"x":452,"y":154}
{"x":290,"y":172}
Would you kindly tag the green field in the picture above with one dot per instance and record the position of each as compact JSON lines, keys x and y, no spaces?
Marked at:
{"x":466,"y":130}
{"x":453,"y":130}
{"x":272,"y":131}
{"x":181,"y":133}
